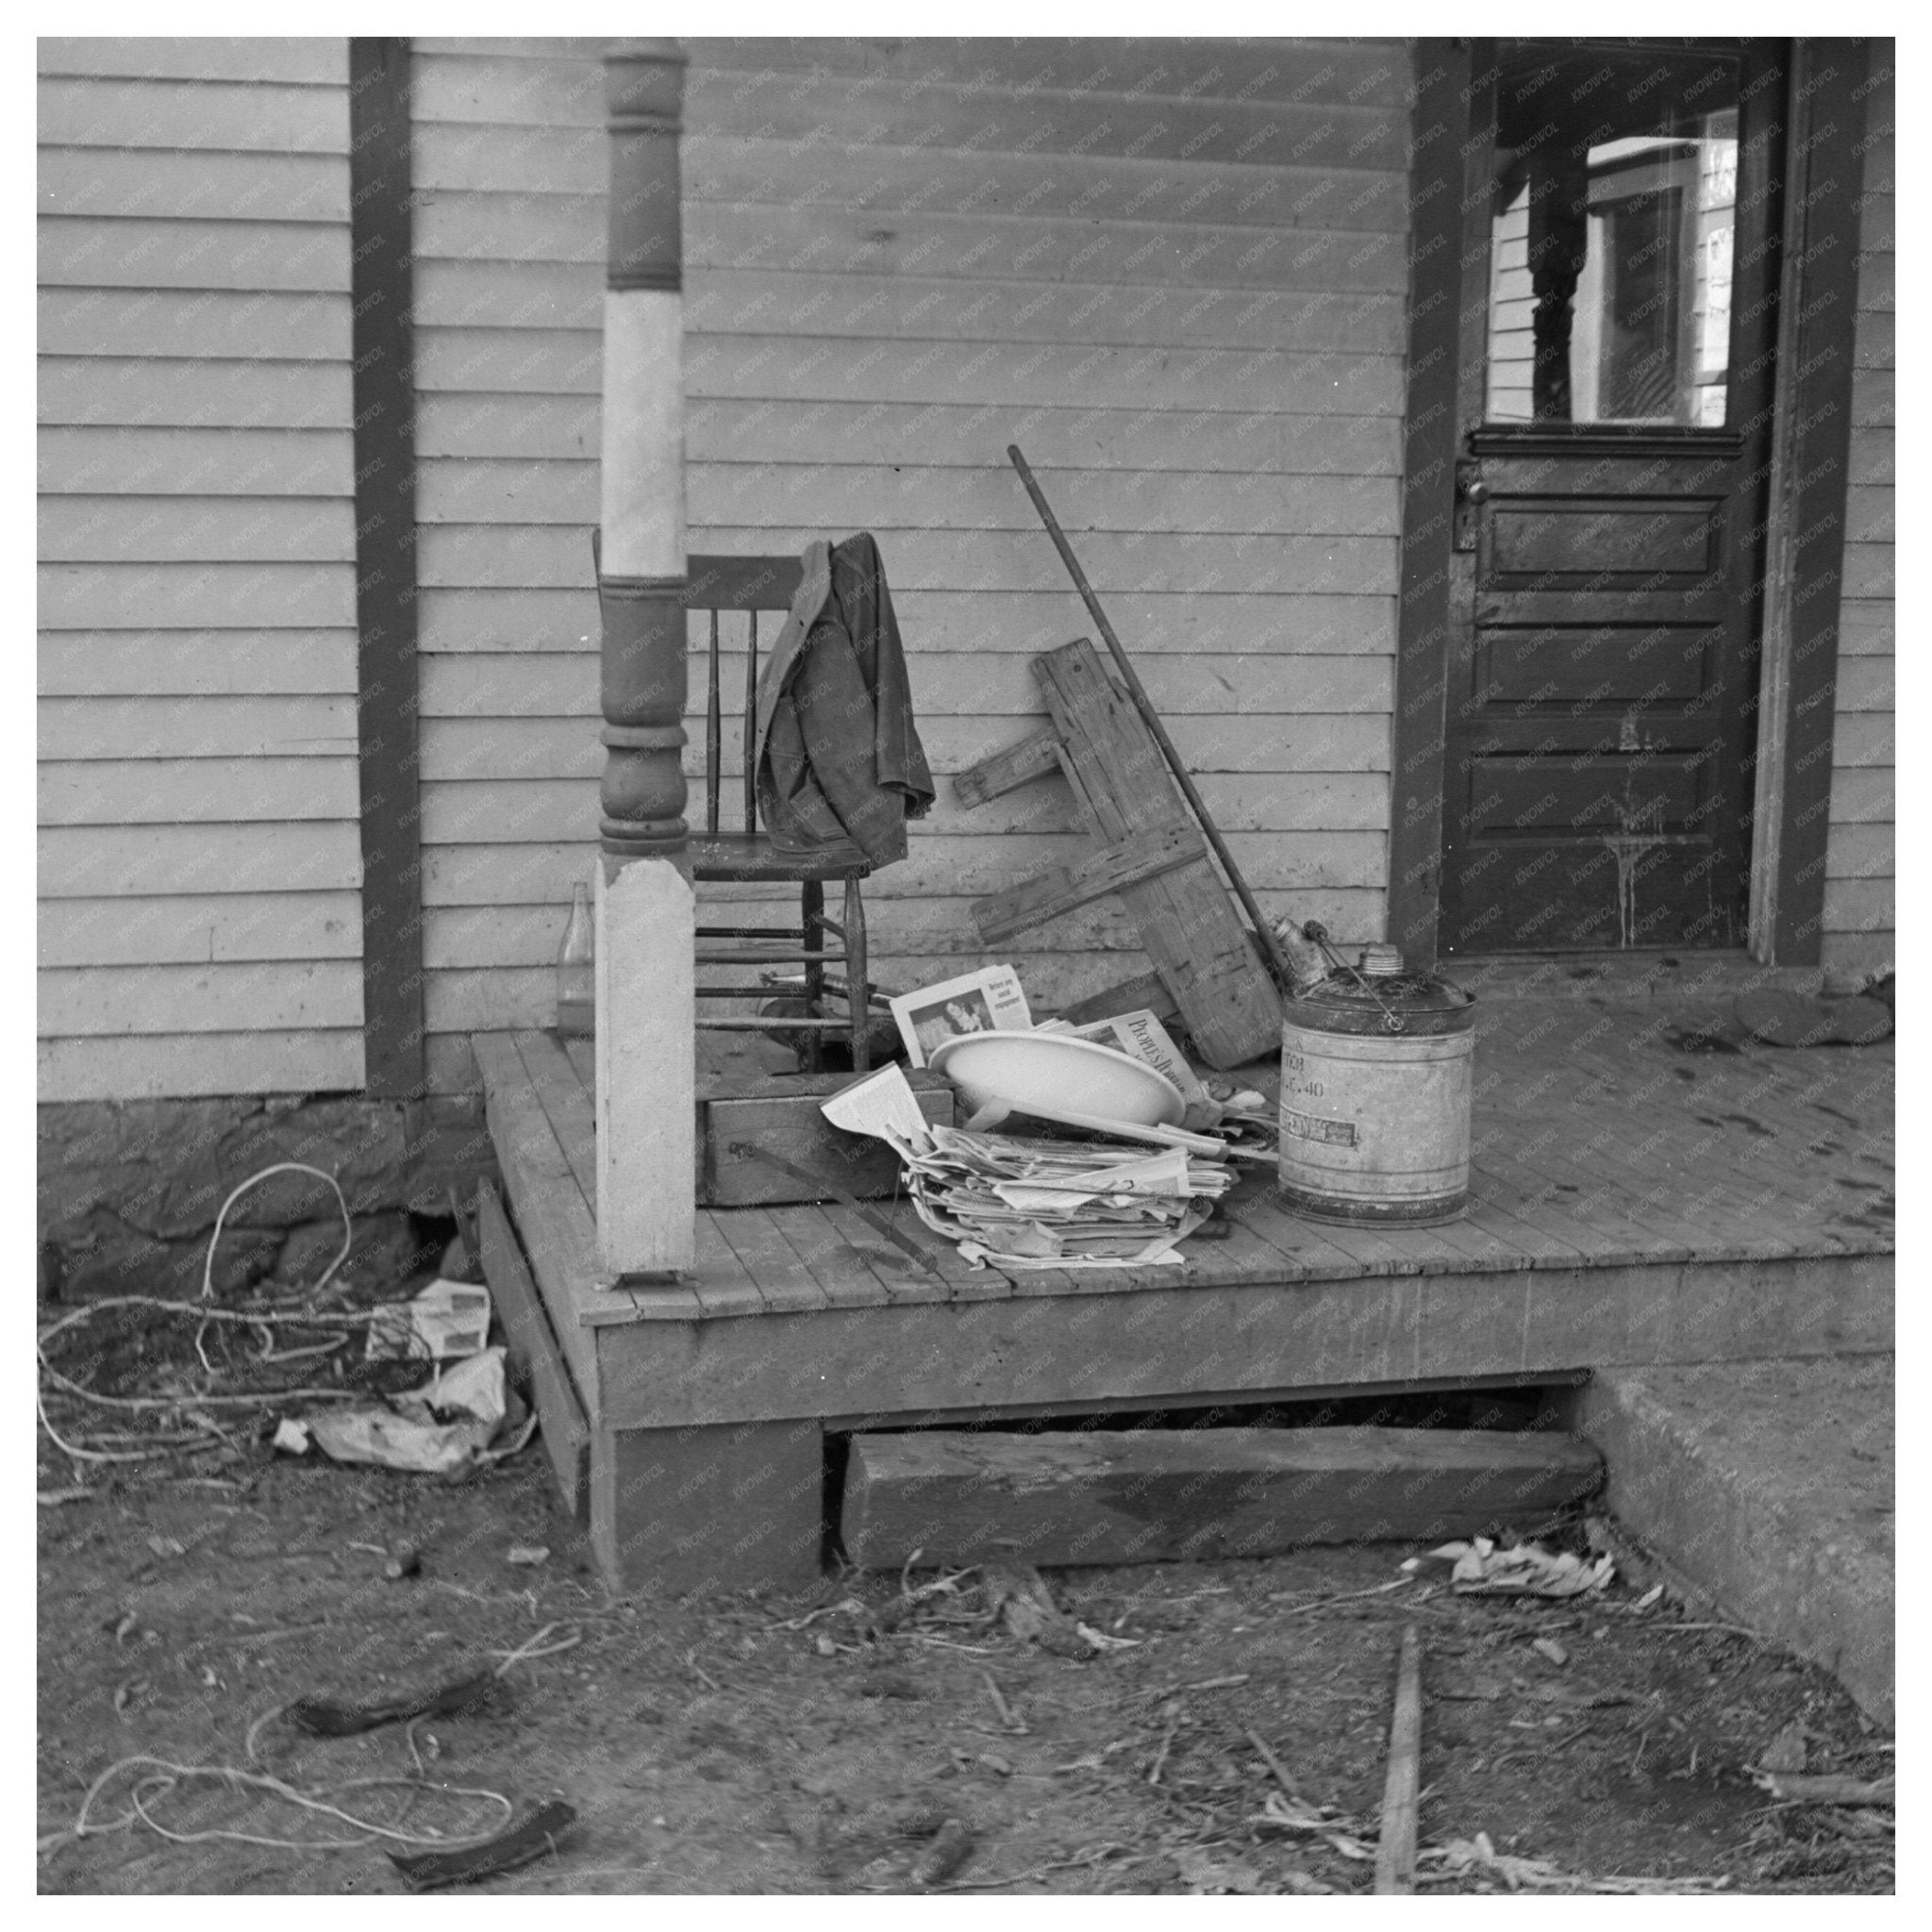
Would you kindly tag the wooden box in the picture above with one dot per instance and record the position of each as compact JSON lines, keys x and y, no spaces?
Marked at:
{"x":742,"y":1119}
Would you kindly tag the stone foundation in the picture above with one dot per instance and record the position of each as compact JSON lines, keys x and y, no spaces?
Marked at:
{"x":128,"y":1190}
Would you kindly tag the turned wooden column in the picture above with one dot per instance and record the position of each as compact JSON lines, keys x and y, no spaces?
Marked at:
{"x":1558,"y":243}
{"x":643,"y":572}
{"x":646,"y":1004}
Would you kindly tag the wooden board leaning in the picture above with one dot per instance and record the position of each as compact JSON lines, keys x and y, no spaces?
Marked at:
{"x":1153,"y":856}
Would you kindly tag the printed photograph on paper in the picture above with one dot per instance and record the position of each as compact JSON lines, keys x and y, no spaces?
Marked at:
{"x":988,"y":1001}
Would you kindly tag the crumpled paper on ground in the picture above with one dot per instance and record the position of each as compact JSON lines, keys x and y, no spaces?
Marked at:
{"x":1481,"y":1569}
{"x":405,"y":1433}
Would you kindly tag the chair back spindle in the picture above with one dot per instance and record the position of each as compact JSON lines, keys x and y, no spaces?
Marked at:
{"x":714,"y":735}
{"x":751,"y":719}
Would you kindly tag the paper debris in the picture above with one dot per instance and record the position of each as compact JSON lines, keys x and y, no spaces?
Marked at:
{"x":882,"y":1105}
{"x":448,"y":1320}
{"x":291,"y":1437}
{"x":1480,"y":1569}
{"x":1028,"y":1204}
{"x":527,"y":1555}
{"x":438,"y":1428}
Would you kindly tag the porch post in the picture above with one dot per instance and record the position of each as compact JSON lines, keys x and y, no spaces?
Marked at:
{"x":646,"y":1009}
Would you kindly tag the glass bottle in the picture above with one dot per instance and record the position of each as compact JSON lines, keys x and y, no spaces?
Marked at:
{"x":576,"y":986}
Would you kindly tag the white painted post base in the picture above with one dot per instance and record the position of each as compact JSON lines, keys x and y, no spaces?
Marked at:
{"x":646,"y":1068}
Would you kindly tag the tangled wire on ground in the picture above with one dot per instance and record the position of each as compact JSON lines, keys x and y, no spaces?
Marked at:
{"x":301,"y":1329}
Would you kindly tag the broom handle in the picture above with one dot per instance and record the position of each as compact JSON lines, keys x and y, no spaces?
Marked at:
{"x":1149,"y":715}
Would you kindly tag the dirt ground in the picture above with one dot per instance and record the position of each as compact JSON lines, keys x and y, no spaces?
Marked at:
{"x":732,"y":1746}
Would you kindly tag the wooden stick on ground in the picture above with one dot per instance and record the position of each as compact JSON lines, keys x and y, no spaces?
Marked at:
{"x":1273,"y":1764}
{"x":1396,"y":1850}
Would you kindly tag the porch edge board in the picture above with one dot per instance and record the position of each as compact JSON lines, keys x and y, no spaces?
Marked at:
{"x":1070,"y":1352}
{"x":557,"y":1229}
{"x":533,"y":1348}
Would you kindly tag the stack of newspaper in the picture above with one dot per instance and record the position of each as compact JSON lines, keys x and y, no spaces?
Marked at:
{"x":1036,"y":1204}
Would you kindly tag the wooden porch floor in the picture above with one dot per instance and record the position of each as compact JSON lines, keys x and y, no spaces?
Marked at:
{"x":1631,"y":1202}
{"x":1596,"y":1142}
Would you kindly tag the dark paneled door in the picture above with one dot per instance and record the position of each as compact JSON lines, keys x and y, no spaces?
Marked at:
{"x":1615,"y":392}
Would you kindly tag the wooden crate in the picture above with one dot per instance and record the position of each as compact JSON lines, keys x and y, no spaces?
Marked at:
{"x":741,"y":1123}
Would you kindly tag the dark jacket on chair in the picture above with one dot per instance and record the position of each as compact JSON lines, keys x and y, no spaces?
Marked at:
{"x":839,"y":765}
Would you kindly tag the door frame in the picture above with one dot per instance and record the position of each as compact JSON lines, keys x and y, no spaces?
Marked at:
{"x":1806,"y":495}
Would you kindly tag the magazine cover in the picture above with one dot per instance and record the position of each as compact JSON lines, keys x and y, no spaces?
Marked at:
{"x":1143,"y":1036}
{"x":988,"y":1001}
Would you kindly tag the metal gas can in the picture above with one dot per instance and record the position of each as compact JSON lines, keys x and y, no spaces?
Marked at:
{"x":1376,"y":1088}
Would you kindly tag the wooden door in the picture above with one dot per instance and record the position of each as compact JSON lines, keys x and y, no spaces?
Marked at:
{"x":1614,"y":397}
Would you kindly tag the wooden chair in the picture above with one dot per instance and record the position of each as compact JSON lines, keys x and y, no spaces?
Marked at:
{"x":750,"y":585}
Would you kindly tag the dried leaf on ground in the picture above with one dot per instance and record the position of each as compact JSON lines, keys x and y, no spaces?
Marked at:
{"x":1204,"y":1874}
{"x":1463,"y":1856}
{"x":950,"y":1849}
{"x":1341,"y":1834}
{"x":1017,"y":1593}
{"x":1796,"y":1788}
{"x":1481,"y":1568}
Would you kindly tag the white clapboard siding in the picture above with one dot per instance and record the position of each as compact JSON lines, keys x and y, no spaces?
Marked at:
{"x":313,"y":62}
{"x":215,"y":928}
{"x":223,"y":323}
{"x":178,"y":460}
{"x":486,"y":556}
{"x":199,"y":855}
{"x":478,"y":622}
{"x":194,"y":663}
{"x":1859,"y":869}
{"x":179,"y":791}
{"x":304,"y":1059}
{"x":1512,"y":302}
{"x":1174,"y":272}
{"x":94,"y":1002}
{"x":269,"y":856}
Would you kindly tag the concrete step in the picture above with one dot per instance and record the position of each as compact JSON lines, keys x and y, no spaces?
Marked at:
{"x":1770,"y":1483}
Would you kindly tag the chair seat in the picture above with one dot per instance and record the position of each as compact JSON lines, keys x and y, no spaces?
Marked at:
{"x":752,"y":859}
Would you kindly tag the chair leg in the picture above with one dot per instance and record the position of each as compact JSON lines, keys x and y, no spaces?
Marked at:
{"x":858,"y":994}
{"x":812,"y":936}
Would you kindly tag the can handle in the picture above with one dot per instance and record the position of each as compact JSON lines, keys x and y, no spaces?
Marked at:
{"x":1392,"y":1020}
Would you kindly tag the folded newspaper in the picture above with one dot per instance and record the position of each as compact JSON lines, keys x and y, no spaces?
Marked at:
{"x":1024,"y":1204}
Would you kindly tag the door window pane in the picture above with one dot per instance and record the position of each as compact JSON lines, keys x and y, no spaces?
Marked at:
{"x":1615,"y":186}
